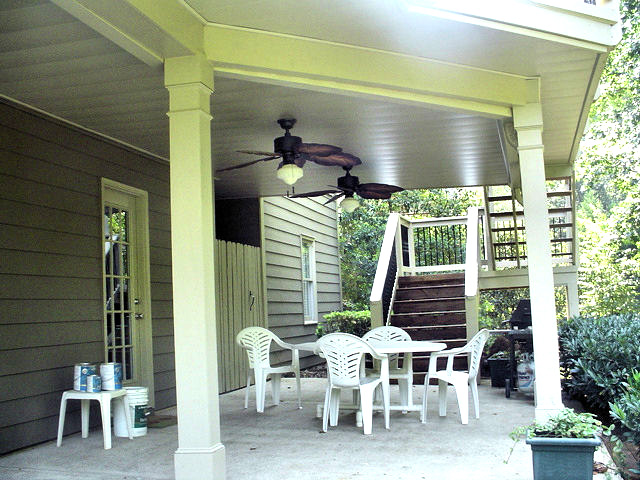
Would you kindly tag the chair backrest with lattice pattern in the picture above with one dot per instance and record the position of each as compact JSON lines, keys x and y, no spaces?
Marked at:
{"x":475,"y":346}
{"x":388,"y":333}
{"x":257,"y":342}
{"x":343,"y":353}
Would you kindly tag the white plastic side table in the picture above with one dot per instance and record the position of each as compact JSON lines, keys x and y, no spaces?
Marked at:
{"x":104,"y":397}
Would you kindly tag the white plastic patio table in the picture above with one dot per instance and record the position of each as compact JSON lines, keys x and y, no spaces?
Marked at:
{"x":104,"y":398}
{"x":387,"y":347}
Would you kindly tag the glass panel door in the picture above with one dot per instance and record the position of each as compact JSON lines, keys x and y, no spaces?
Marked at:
{"x":118,"y":308}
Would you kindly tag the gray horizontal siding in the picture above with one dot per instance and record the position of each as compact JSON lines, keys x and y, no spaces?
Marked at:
{"x":51,"y":268}
{"x":284,"y":221}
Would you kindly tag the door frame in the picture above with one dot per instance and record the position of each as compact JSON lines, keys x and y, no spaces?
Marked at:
{"x":143,"y":275}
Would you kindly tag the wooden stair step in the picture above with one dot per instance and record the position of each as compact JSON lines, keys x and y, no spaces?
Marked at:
{"x":437,"y":333}
{"x":502,"y":198}
{"x":434,"y":318}
{"x":506,"y":214}
{"x":561,"y":193}
{"x":429,"y":291}
{"x":440,"y":279}
{"x":428,"y":305}
{"x":499,"y":198}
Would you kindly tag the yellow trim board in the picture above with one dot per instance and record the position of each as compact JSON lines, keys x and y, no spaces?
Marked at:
{"x":288,"y":58}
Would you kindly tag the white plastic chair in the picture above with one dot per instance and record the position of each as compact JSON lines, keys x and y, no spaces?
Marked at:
{"x":404,"y":374}
{"x":460,"y":380}
{"x":257,"y":342}
{"x":345,"y":368}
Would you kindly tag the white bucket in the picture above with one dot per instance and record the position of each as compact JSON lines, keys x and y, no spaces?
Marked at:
{"x":138,"y":404}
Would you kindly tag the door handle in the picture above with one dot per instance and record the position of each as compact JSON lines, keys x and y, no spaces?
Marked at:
{"x":139,"y":316}
{"x":253,"y":300}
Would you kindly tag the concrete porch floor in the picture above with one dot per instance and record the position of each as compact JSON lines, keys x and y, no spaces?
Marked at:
{"x":286,"y":443}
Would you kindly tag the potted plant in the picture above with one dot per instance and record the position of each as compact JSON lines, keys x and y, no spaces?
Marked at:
{"x":499,"y":368}
{"x":563,"y":446}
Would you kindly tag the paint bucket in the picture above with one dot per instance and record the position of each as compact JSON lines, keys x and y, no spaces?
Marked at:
{"x":111,"y":374}
{"x":80,"y":373}
{"x":138,"y":398}
{"x":94,"y":383}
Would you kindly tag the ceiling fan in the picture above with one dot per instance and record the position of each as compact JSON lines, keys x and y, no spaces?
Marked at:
{"x":294,"y":154}
{"x":348,"y":185}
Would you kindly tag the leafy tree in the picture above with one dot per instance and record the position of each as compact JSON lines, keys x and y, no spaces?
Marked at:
{"x":609,"y":181}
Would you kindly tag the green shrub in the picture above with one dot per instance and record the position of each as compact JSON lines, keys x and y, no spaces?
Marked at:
{"x":626,"y":409}
{"x":598,"y":355}
{"x":567,"y":423}
{"x":348,"y":321}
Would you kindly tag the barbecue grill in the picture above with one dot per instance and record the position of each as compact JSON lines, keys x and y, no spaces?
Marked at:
{"x":521,"y":334}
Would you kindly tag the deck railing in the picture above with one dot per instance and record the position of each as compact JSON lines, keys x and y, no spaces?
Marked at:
{"x":415,"y":247}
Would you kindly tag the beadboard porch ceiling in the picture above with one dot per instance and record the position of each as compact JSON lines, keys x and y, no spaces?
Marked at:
{"x":52,"y":61}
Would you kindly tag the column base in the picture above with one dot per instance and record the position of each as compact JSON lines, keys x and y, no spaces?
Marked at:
{"x":205,"y":463}
{"x":544,"y":413}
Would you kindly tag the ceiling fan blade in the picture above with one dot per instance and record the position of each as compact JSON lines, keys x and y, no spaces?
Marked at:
{"x":340,"y":159}
{"x":335,"y":197}
{"x":242,"y":165}
{"x":258,"y":152}
{"x":317,"y":193}
{"x":377,"y":190}
{"x":318,"y":149}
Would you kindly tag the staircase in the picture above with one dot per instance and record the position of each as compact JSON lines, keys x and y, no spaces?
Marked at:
{"x":506,"y":223}
{"x":431,"y":307}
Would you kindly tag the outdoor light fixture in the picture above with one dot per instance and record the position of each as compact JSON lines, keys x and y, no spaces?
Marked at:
{"x":349,"y":204}
{"x":289,"y":173}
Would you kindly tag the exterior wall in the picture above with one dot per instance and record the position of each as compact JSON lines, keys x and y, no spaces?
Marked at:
{"x":284,"y":221}
{"x":51,"y":267}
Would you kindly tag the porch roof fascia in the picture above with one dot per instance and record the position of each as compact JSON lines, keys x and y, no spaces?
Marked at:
{"x":154,"y":30}
{"x":331,"y":66}
{"x":576,"y":23}
{"x":150,"y":30}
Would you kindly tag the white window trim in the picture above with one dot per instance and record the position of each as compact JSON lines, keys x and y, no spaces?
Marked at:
{"x":312,"y":268}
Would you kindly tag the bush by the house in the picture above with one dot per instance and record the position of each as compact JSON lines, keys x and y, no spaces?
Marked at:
{"x":598,"y":355}
{"x":356,"y":322}
{"x":626,"y":409}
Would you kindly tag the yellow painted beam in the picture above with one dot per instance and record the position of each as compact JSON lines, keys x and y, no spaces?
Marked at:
{"x":174,"y":18}
{"x":284,"y":58}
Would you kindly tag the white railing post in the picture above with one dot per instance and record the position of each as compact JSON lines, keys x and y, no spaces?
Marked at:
{"x":472,"y":266}
{"x":375,"y":300}
{"x":412,"y":246}
{"x":398,"y":244}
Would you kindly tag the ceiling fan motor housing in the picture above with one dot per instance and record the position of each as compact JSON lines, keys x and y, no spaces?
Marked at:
{"x":287,"y":144}
{"x":348,"y":182}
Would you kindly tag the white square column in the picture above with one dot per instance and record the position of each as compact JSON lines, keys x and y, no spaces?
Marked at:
{"x":528,"y":124}
{"x":200,"y":453}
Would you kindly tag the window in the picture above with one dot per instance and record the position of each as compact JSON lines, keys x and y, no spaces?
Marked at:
{"x":309,"y":302}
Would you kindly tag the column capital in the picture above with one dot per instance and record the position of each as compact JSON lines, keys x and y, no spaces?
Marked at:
{"x":190,"y":83}
{"x":527,"y":116}
{"x":527,"y":120}
{"x":189,"y":70}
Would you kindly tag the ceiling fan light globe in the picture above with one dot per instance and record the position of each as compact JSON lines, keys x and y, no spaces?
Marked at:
{"x":289,"y":173}
{"x":349,"y":204}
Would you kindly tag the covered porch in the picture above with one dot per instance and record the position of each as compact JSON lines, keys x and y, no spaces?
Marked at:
{"x":286,"y":442}
{"x":428,"y":95}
